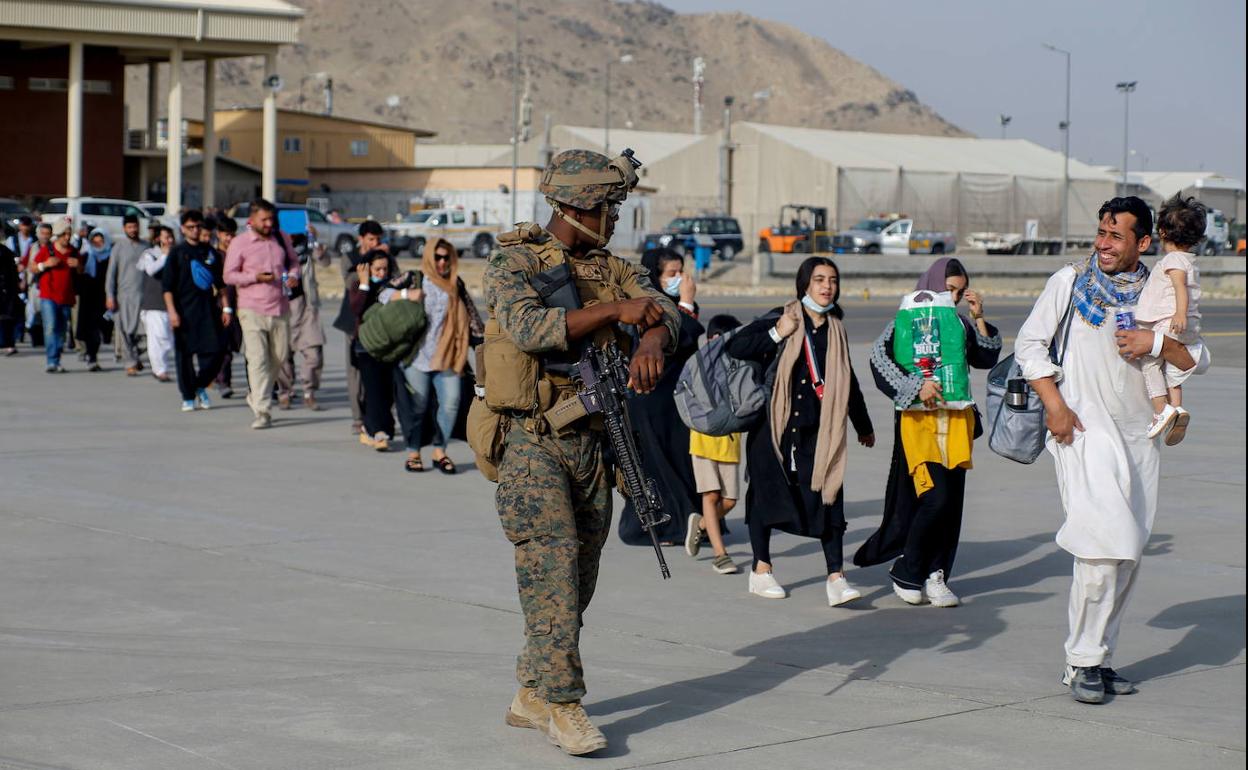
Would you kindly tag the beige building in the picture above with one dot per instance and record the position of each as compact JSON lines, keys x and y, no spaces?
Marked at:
{"x":309,"y":141}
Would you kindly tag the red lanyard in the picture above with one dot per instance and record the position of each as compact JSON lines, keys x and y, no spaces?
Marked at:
{"x":816,"y":377}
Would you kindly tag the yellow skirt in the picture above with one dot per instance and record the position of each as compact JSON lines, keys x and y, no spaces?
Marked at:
{"x":942,"y":436}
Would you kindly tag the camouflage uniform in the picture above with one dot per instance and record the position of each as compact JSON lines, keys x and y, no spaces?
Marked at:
{"x":554,"y":495}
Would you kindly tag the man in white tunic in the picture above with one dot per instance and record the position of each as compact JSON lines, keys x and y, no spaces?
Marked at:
{"x":1096,"y":410}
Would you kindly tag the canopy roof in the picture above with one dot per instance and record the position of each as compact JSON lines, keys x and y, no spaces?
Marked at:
{"x":966,"y":155}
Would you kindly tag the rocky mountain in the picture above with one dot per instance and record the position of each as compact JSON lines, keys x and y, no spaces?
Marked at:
{"x":448,"y":68}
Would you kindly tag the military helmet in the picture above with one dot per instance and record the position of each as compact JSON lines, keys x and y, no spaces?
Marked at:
{"x":586,"y":179}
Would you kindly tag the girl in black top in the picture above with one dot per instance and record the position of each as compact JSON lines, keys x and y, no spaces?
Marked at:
{"x":795,"y":478}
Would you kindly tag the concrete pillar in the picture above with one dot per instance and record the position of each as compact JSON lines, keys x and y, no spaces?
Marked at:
{"x":173,"y":149}
{"x":151,"y":105}
{"x":268,"y":168}
{"x":73,"y":148}
{"x":209,"y":175}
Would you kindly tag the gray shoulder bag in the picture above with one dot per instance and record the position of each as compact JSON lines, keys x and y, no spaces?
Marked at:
{"x":1016,"y":428}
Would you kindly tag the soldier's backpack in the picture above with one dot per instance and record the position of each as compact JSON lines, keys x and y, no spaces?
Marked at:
{"x":717,"y":394}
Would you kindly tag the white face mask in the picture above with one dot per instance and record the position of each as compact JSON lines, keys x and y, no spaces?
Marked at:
{"x":815,"y":307}
{"x":671,"y":287}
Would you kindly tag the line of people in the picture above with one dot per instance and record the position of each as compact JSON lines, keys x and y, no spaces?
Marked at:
{"x":188,"y":302}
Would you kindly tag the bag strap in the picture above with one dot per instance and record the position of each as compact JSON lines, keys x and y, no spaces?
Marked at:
{"x":1067,"y":319}
{"x":816,"y":376}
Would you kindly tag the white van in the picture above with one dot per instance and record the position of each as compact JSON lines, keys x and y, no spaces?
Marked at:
{"x":105,"y":213}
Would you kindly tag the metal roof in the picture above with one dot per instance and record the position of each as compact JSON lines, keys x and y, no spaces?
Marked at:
{"x":1167,"y":183}
{"x":202,"y":24}
{"x":650,"y":146}
{"x":966,"y":155}
{"x":441,"y":155}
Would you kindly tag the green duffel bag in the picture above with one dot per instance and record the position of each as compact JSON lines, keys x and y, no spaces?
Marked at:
{"x":392,"y":332}
{"x":929,"y":340}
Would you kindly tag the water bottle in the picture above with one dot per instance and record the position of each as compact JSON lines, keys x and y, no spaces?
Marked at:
{"x":1016,"y":393}
{"x":1124,"y":319}
{"x":285,"y":285}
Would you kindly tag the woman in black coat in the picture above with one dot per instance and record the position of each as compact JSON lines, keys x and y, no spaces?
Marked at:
{"x":661,"y":436}
{"x":795,"y":481}
{"x":922,"y":532}
{"x":12,"y":307}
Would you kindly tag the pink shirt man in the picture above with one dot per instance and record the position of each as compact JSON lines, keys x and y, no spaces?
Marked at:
{"x":251,"y":255}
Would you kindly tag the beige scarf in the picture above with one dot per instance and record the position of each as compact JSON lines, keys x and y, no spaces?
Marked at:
{"x":452,"y":350}
{"x":831,"y":444}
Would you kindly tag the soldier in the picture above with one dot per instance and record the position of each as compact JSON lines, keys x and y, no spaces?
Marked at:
{"x":554,"y":493}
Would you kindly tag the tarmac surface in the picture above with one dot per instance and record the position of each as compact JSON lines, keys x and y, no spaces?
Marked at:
{"x":182,"y":592}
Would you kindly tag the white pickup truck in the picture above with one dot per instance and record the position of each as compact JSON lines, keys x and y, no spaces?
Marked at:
{"x":890,"y":235}
{"x":412,"y":231}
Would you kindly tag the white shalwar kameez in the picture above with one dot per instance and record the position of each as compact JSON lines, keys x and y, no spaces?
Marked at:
{"x":1108,"y":477}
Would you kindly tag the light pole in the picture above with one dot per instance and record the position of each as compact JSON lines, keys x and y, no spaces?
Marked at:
{"x":1126,"y":87}
{"x":515,"y":115}
{"x":1065,"y":127}
{"x":606,"y":131}
{"x":1005,"y":121}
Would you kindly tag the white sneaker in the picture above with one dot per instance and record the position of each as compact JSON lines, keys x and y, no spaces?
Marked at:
{"x":908,"y":595}
{"x":1179,"y":430}
{"x":766,"y":586}
{"x":937,"y":592}
{"x":840,"y":592}
{"x":693,"y":534}
{"x":1162,"y":421}
{"x":188,"y":406}
{"x":262,"y":421}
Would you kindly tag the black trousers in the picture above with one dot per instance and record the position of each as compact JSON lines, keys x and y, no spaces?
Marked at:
{"x":832,"y":542}
{"x":932,"y":542}
{"x":378,"y":379}
{"x":191,"y":381}
{"x":92,"y":328}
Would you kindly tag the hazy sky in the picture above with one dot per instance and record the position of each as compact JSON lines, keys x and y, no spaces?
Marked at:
{"x":972,"y":60}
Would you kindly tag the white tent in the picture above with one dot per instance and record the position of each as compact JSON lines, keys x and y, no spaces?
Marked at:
{"x":945,"y":183}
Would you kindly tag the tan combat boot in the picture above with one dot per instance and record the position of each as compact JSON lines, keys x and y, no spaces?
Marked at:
{"x":571,"y":730}
{"x":528,"y":709}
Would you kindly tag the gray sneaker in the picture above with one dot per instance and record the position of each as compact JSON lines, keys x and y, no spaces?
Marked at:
{"x":693,"y":534}
{"x":1086,"y":685}
{"x":1115,"y":684}
{"x":724,"y":566}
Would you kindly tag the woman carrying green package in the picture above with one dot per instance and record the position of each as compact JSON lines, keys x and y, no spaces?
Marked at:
{"x":927,"y":376}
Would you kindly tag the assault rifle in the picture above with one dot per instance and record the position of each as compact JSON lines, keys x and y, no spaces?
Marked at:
{"x":602,"y":379}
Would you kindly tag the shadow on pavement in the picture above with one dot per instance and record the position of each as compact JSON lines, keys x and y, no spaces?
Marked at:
{"x":1215,"y":638}
{"x":868,"y":643}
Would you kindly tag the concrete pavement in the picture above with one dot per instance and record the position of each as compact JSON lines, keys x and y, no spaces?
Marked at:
{"x":182,"y":592}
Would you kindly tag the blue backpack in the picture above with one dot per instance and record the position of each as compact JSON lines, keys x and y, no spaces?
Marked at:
{"x":718,"y":395}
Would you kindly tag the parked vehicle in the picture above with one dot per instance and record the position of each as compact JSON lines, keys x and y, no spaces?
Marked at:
{"x":105,"y":213}
{"x":337,"y":235}
{"x":994,"y":243}
{"x":412,"y":231}
{"x":157,"y":210}
{"x":11,"y":211}
{"x":799,"y":231}
{"x":1217,"y":234}
{"x":933,"y":242}
{"x":725,"y":231}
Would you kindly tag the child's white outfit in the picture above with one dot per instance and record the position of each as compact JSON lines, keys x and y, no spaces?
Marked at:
{"x":1155,"y":310}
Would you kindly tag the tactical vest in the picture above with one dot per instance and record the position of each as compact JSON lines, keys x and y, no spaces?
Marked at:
{"x":519,"y":382}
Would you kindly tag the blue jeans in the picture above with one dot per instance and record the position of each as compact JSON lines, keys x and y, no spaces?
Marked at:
{"x":55,"y":324}
{"x":446,"y":386}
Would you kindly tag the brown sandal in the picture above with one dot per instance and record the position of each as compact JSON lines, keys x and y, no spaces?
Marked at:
{"x":445,"y":465}
{"x":414,"y":465}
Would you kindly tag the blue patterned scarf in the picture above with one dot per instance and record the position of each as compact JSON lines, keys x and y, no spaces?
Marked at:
{"x":1096,"y":294}
{"x":97,"y":255}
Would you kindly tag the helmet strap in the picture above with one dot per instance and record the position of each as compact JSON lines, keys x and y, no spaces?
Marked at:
{"x":600,"y":237}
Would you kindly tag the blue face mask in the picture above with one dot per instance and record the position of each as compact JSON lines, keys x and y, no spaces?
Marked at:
{"x":375,"y":279}
{"x":815,"y":307}
{"x":672,"y":286}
